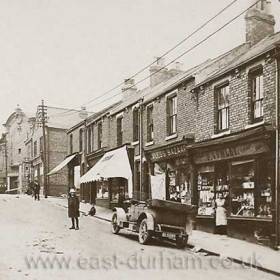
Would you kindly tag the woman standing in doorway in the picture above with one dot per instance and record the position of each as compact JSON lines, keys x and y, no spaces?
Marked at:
{"x":73,"y":209}
{"x":221,"y":214}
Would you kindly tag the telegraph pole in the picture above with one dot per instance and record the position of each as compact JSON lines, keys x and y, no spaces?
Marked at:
{"x":43,"y":112}
{"x":6,"y":163}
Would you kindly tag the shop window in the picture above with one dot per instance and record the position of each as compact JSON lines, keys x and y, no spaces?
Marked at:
{"x":264,"y":191}
{"x":171,"y":178}
{"x":102,"y":189}
{"x":119,"y":131}
{"x":135,"y":125}
{"x":205,"y":187}
{"x":223,"y":107}
{"x":257,"y":95}
{"x":222,"y":180}
{"x":150,"y":124}
{"x":243,"y":188}
{"x":171,"y":115}
{"x":119,"y":190}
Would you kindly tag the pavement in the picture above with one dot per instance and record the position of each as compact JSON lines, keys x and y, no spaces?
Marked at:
{"x":253,"y":255}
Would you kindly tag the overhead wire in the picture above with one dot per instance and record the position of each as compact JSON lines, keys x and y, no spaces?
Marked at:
{"x":150,"y":64}
{"x":187,"y":51}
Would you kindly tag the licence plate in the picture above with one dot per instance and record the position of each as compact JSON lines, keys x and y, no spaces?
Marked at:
{"x":169,"y":235}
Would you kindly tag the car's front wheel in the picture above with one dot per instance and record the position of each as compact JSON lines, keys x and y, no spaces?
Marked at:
{"x":144,"y":234}
{"x":114,"y":224}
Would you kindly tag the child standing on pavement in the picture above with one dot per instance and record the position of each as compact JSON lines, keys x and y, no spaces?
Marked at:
{"x":73,"y":209}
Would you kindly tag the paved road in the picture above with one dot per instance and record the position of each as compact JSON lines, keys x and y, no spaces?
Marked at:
{"x":37,"y":244}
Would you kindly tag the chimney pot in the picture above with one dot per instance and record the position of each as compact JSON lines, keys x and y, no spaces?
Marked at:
{"x":128,"y":88}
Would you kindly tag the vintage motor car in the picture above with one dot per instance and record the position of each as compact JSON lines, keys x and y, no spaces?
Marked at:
{"x":156,"y":218}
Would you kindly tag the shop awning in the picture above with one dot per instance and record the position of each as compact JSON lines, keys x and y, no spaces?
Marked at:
{"x":61,"y":165}
{"x":113,"y":164}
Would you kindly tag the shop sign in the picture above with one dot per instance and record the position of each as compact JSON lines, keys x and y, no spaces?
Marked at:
{"x":231,"y":152}
{"x":169,"y":152}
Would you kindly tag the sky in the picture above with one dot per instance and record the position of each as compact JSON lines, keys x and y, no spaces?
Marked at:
{"x":70,"y":52}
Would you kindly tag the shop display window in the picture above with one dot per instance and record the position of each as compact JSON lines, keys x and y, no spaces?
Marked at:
{"x":102,"y":189}
{"x":243,"y":188}
{"x":119,"y":190}
{"x":222,"y":180}
{"x":206,"y":195}
{"x":264,"y":191}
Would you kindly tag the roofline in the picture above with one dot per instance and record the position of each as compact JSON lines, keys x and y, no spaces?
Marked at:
{"x":72,"y":128}
{"x":216,"y":76}
{"x":68,"y":109}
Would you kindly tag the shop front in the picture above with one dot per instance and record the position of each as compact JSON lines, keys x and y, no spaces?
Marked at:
{"x":110,"y":179}
{"x":171,"y":172}
{"x":240,"y":169}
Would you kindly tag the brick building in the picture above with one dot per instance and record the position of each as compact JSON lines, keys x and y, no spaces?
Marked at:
{"x":208,"y":130}
{"x":59,"y":120}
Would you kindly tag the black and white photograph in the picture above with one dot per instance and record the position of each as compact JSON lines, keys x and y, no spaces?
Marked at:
{"x":139,"y":139}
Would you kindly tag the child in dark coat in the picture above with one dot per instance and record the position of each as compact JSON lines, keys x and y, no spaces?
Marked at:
{"x":73,"y":209}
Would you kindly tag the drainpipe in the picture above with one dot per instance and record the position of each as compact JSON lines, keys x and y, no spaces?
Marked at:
{"x":277,"y":157}
{"x":141,"y":147}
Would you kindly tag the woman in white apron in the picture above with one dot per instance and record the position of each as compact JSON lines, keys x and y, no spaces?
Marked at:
{"x":221,"y":214}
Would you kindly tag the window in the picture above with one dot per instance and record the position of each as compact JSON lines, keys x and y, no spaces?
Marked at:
{"x":119,"y":131}
{"x":71,"y":143}
{"x":35,"y":149}
{"x":19,"y":151}
{"x":81,"y":140}
{"x":89,"y":140}
{"x":243,"y":188}
{"x":135,"y":125}
{"x":257,"y":96}
{"x":99,"y":129}
{"x":150,"y":124}
{"x":205,"y":187}
{"x":41,"y":144}
{"x":223,"y":108}
{"x":172,"y":115}
{"x":251,"y":194}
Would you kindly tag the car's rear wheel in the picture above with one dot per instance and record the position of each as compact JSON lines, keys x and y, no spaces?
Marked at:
{"x":181,"y":241}
{"x":114,"y":224}
{"x":144,"y":234}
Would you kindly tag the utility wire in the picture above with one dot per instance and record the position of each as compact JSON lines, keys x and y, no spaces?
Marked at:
{"x":163,"y":55}
{"x":184,"y":53}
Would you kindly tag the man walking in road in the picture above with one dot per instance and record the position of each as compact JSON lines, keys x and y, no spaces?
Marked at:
{"x":36,"y":187}
{"x":73,"y":209}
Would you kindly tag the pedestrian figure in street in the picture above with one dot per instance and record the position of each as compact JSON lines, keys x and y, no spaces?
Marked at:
{"x":221,"y":214}
{"x":73,"y":209}
{"x":36,"y":187}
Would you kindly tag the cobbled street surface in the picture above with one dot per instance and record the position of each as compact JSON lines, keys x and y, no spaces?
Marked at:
{"x":36,"y":243}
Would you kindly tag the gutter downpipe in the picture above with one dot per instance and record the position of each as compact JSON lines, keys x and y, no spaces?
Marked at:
{"x":277,"y":157}
{"x":141,"y":147}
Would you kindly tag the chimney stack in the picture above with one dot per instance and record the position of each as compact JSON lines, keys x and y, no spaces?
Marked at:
{"x":176,"y":69}
{"x":83,"y":114}
{"x":158,"y":72}
{"x":128,"y":88}
{"x":259,"y":22}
